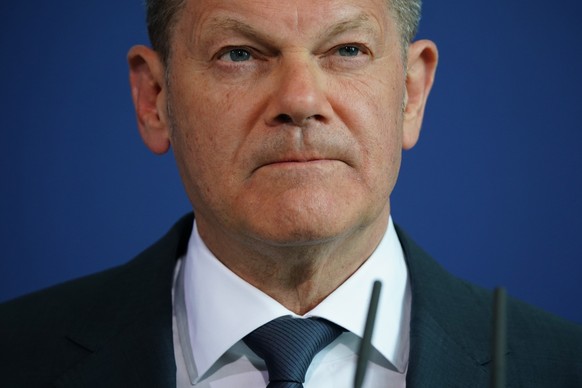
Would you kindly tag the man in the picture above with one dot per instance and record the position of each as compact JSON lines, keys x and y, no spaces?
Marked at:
{"x":287,"y":121}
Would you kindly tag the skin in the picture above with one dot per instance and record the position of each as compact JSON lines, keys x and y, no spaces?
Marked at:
{"x":287,"y":121}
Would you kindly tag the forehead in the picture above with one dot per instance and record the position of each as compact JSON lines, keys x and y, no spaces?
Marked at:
{"x":288,"y":16}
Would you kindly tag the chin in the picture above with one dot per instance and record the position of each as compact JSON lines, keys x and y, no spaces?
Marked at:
{"x":298,"y":237}
{"x":302,"y":228}
{"x":307,"y":215}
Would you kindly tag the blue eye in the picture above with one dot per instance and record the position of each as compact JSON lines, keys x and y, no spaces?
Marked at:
{"x":348,"y":51}
{"x":239,"y":55}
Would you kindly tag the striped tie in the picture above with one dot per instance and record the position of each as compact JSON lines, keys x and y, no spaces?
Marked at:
{"x":287,"y":345}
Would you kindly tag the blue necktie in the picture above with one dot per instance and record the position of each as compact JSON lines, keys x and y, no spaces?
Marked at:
{"x":287,"y":345}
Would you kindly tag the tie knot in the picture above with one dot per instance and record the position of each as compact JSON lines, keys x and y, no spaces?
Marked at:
{"x":287,"y":345}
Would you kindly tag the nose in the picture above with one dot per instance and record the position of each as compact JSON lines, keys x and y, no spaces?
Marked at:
{"x":298,"y":93}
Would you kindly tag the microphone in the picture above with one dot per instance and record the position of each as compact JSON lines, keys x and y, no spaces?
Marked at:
{"x":499,"y":338}
{"x":366,"y":344}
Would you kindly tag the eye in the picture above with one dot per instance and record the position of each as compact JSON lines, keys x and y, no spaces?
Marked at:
{"x":348,"y":51}
{"x":348,"y":56}
{"x":236,"y":55}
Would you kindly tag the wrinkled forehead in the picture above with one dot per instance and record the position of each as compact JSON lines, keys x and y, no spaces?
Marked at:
{"x":290,"y":16}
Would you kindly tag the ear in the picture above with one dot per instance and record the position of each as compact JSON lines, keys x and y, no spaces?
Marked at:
{"x":148,"y":91}
{"x":422,"y":63}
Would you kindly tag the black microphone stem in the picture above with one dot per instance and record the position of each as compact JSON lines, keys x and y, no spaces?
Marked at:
{"x":366,"y":344}
{"x":499,"y":338}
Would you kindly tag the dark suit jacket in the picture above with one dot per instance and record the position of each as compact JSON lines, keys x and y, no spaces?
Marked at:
{"x":114,"y":329}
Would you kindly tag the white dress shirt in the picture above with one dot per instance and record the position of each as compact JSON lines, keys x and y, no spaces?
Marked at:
{"x":216,"y":309}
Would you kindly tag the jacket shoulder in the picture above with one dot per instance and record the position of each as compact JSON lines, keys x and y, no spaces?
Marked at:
{"x":543,"y":349}
{"x":47,"y":332}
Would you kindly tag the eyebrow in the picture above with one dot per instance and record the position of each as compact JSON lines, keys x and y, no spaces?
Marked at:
{"x":360,"y":22}
{"x":224,"y":24}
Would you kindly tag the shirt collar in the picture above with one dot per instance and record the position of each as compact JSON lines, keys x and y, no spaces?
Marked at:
{"x":220,"y":316}
{"x":348,"y":305}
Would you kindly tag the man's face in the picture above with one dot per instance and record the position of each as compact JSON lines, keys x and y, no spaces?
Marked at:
{"x":286,"y":116}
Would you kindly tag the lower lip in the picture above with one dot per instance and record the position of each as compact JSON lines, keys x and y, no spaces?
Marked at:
{"x":311,"y":166}
{"x":293,"y":164}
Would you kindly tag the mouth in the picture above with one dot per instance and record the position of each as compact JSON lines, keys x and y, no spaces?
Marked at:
{"x":296,"y":162}
{"x":310,"y":152}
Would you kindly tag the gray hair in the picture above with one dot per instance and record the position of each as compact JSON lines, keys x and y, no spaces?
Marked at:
{"x":407,"y":15}
{"x":161,"y":19}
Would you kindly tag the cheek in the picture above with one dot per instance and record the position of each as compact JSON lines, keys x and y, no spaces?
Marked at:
{"x":373,"y":113}
{"x":210,"y":132}
{"x":203,"y":123}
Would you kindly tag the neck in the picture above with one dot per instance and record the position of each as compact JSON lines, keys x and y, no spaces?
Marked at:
{"x":299,"y":276}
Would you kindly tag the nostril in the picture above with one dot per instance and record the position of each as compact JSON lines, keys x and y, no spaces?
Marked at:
{"x":284,"y":118}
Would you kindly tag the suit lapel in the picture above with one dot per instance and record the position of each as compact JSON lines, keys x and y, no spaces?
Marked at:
{"x":139,"y":357}
{"x":449,"y":328}
{"x":436,"y":360}
{"x":127,"y":327}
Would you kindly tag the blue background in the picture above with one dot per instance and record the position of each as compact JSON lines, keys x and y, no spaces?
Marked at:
{"x":493,"y":190}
